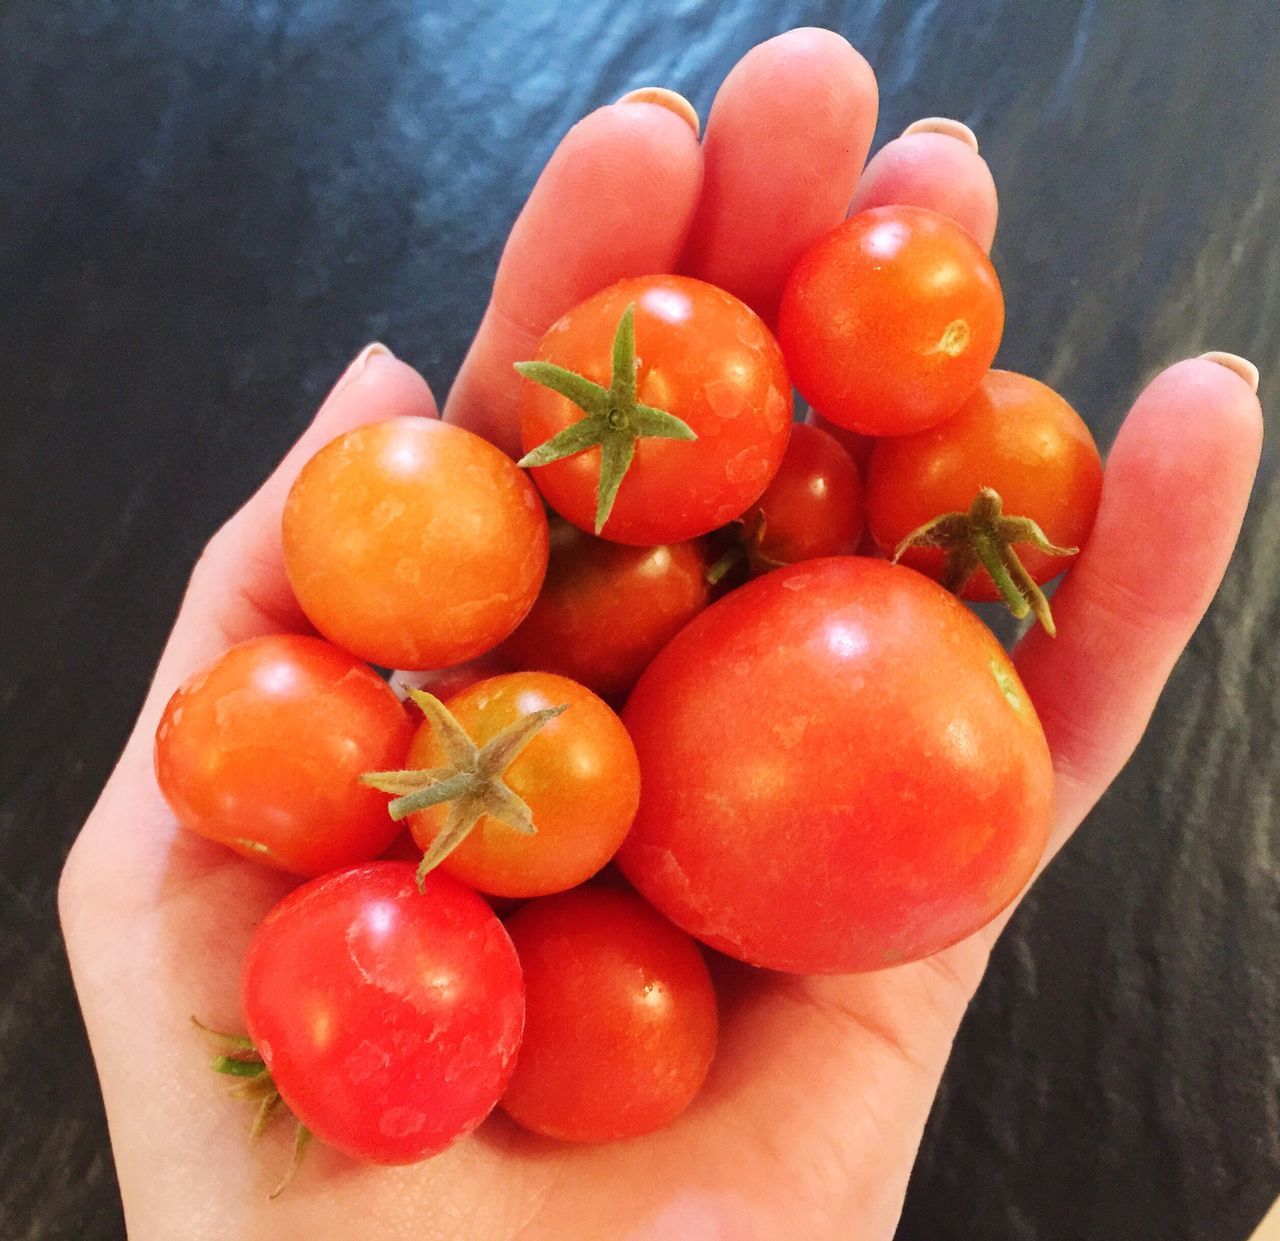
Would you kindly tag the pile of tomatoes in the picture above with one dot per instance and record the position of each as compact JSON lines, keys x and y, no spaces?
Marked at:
{"x":685,"y":677}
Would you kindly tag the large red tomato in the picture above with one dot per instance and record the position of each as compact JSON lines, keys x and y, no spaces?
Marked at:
{"x":689,"y":351}
{"x":889,"y":321}
{"x":840,"y":771}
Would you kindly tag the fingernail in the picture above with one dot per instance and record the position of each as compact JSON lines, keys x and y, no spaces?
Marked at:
{"x":362,"y":360}
{"x":669,"y":99}
{"x":1234,"y":362}
{"x":943,"y":125}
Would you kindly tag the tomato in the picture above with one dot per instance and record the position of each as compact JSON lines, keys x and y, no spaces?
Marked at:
{"x":698,"y":356}
{"x":890,"y":320}
{"x":621,"y":1024}
{"x":389,"y":1021}
{"x":1013,"y":435}
{"x":413,"y":543}
{"x":606,"y":609}
{"x":263,"y":752}
{"x":576,"y":775}
{"x":813,"y":506}
{"x":840,"y":771}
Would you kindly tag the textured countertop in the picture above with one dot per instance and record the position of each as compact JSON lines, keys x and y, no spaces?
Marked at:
{"x":209,"y":206}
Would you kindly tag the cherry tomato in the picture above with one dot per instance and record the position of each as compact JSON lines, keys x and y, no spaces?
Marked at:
{"x":413,"y":543}
{"x":389,"y":1021}
{"x":578,"y":776}
{"x":700,"y":355}
{"x":841,"y":771}
{"x":263,"y":752}
{"x":606,"y":609}
{"x":813,"y":506}
{"x":621,"y":1026}
{"x":890,"y":320}
{"x":1014,"y":435}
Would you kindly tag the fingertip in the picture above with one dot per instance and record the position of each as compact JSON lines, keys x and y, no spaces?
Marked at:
{"x":936,"y":170}
{"x":670,"y":100}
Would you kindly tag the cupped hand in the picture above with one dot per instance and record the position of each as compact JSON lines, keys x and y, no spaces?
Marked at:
{"x":810,"y":1121}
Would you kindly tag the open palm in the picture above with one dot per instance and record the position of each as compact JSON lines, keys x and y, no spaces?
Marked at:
{"x":809,"y":1123}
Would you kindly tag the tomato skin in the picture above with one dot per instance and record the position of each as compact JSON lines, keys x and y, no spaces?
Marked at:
{"x":607,"y":609}
{"x":445,"y":682}
{"x":1015,"y":435}
{"x":389,"y":1020}
{"x":841,"y":771}
{"x":263,"y":750}
{"x":622,"y":1023}
{"x":813,"y":506}
{"x":890,"y":320}
{"x":413,"y":543}
{"x":579,"y":777}
{"x":703,"y":356}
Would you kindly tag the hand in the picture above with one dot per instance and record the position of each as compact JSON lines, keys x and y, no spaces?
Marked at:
{"x":810,"y":1121}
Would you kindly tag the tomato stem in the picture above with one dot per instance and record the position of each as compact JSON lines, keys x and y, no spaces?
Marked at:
{"x":471,"y":781}
{"x":984,"y":538}
{"x":614,"y":419}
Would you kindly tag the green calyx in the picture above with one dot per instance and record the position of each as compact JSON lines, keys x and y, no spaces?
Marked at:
{"x":614,"y":420}
{"x":471,"y":781}
{"x":984,"y":538}
{"x":237,"y":1057}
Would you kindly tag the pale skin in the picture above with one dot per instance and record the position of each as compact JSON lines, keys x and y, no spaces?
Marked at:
{"x":810,"y":1121}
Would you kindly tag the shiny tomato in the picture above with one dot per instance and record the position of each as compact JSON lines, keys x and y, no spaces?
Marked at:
{"x":1013,"y":435}
{"x":607,"y":609}
{"x":263,"y":752}
{"x":699,"y":356}
{"x":413,"y":543}
{"x":841,"y":771}
{"x":389,"y":1021}
{"x":577,"y":775}
{"x":890,"y":320}
{"x":621,"y":1026}
{"x":813,"y":506}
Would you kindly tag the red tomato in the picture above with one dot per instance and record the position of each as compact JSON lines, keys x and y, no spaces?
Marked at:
{"x":813,"y":506}
{"x":263,"y":752}
{"x":700,"y":355}
{"x":606,"y":610}
{"x":578,"y":776}
{"x":1017,"y":437}
{"x":889,"y":321}
{"x":841,"y":771}
{"x":414,"y":543}
{"x":621,"y":1026}
{"x":388,"y":1021}
{"x":445,"y":682}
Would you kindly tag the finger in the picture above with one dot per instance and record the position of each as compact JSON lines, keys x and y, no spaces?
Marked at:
{"x":614,"y":201}
{"x":786,"y":139}
{"x":1174,"y":495}
{"x":238,"y":589}
{"x":934,"y":164}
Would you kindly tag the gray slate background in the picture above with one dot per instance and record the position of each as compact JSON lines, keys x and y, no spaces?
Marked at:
{"x":208,"y":206}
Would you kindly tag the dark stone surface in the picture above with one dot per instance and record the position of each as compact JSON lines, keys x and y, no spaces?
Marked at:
{"x":208,"y":207}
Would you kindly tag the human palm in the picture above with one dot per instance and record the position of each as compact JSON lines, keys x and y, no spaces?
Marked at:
{"x":810,"y":1120}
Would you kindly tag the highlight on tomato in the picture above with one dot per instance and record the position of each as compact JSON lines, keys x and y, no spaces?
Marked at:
{"x":414,"y":543}
{"x":996,"y":500}
{"x":655,"y":411}
{"x":890,"y":320}
{"x":521,"y":785}
{"x":263,"y":752}
{"x":621,"y":1020}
